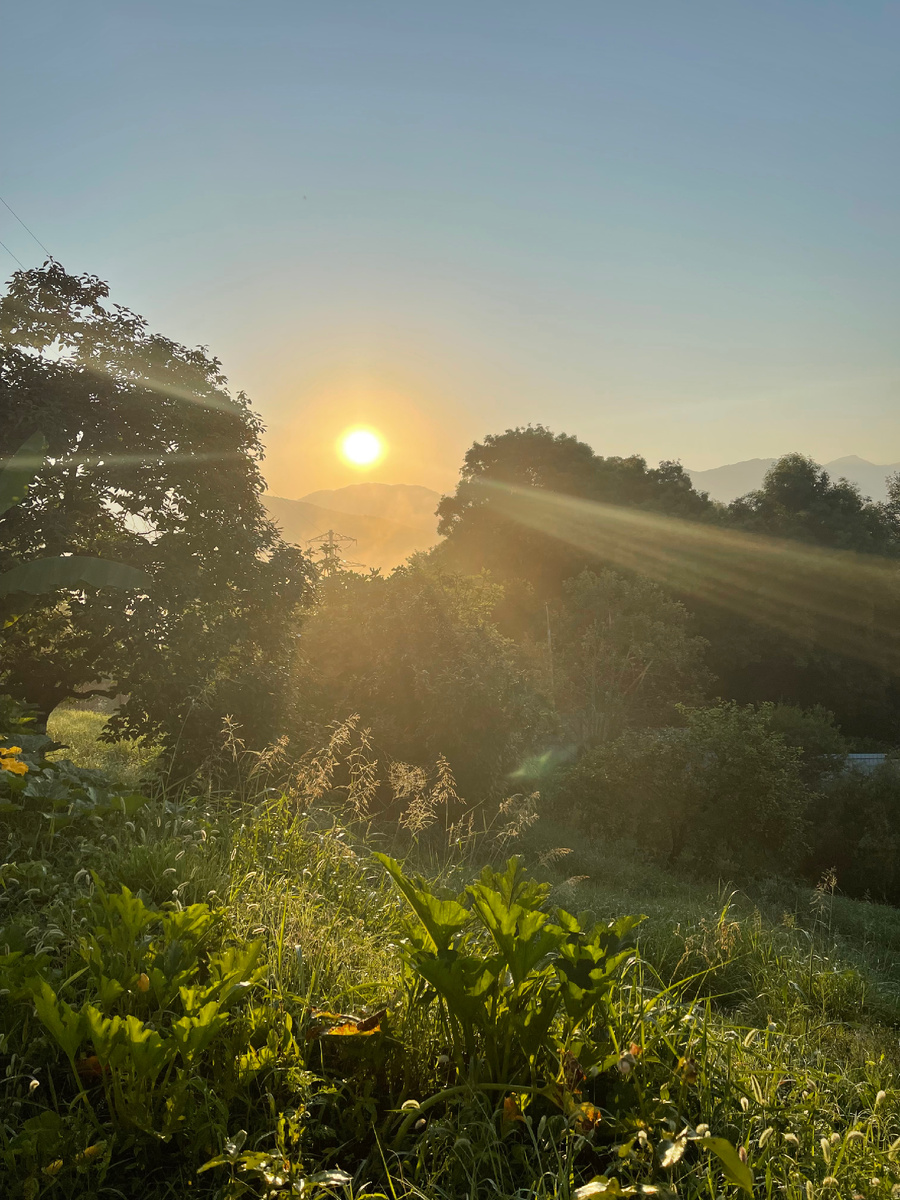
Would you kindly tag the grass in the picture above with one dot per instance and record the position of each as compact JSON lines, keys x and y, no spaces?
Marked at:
{"x":783,"y":1000}
{"x":79,"y":730}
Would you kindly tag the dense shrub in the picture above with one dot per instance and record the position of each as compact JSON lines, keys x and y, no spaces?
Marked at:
{"x":418,"y":657}
{"x":855,"y":831}
{"x":622,"y":656}
{"x":722,"y":793}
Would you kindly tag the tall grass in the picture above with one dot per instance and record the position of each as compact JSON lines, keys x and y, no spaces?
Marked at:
{"x":784,"y":1002}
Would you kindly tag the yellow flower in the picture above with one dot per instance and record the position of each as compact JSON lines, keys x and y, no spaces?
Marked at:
{"x":8,"y":761}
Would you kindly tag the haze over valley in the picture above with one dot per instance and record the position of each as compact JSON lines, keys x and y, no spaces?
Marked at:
{"x":390,"y":521}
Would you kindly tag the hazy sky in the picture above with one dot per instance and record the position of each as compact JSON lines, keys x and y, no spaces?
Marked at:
{"x":667,"y":226}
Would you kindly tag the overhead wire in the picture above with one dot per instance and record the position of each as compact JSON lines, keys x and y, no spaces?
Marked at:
{"x":11,"y":255}
{"x":27,"y":230}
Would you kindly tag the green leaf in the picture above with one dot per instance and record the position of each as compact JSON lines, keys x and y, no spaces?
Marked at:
{"x":523,"y":937}
{"x":736,"y":1172}
{"x":442,"y":919}
{"x":44,"y":575}
{"x":66,"y":1025}
{"x":462,"y":982}
{"x":20,"y":469}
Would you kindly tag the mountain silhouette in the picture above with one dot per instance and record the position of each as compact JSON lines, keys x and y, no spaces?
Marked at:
{"x":388,"y":521}
{"x":736,"y":479}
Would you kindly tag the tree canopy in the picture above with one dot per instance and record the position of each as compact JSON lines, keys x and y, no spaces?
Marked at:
{"x":153,"y":462}
{"x":479,"y":536}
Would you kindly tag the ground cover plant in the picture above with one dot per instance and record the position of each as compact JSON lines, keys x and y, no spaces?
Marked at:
{"x":266,"y":993}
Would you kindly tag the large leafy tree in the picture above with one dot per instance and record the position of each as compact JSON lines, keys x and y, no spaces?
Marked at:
{"x":799,"y":501}
{"x":480,"y":534}
{"x":621,"y":656}
{"x":154,"y":463}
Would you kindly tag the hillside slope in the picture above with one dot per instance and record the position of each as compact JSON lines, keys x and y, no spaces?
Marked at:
{"x":379,"y":542}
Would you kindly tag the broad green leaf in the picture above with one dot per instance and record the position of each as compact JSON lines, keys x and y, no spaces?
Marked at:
{"x":20,"y":469}
{"x":463,"y":984}
{"x":736,"y":1171}
{"x":442,"y":919}
{"x":66,"y":1025}
{"x":523,"y":937}
{"x":44,"y":575}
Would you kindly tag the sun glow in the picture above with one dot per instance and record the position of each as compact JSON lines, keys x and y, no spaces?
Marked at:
{"x":361,"y":447}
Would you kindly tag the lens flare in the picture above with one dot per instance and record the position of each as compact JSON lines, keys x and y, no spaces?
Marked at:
{"x":361,"y":447}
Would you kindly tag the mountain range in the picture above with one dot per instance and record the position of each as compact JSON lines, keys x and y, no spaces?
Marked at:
{"x":387,"y":522}
{"x":736,"y":479}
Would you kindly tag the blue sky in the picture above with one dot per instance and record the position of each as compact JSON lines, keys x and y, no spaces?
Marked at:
{"x":667,"y":226}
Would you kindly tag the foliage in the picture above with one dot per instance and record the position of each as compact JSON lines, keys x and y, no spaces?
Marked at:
{"x":756,"y":1039}
{"x":513,"y":984}
{"x":154,"y":464}
{"x":621,"y":656}
{"x":814,"y":732}
{"x":854,"y":833}
{"x":417,"y":656}
{"x":478,"y":537}
{"x":722,"y":793}
{"x":799,"y":501}
{"x":42,"y":575}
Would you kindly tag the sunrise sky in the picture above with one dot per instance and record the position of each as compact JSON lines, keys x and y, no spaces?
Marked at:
{"x":667,"y":226}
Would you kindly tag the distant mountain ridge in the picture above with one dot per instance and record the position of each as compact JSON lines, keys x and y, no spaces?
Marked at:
{"x":407,"y":503}
{"x":388,"y":521}
{"x":736,"y":479}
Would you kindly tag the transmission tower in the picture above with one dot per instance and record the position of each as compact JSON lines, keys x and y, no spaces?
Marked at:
{"x":329,"y":548}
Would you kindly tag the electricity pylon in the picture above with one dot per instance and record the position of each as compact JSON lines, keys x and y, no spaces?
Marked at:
{"x":329,"y":547}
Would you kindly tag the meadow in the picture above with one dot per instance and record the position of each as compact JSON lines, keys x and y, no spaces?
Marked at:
{"x":233,"y":991}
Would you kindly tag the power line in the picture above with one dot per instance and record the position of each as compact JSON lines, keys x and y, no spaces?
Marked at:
{"x":11,"y":255}
{"x":27,"y":230}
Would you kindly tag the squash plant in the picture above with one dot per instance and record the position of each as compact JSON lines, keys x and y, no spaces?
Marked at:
{"x":524,"y":997}
{"x":515,"y":986}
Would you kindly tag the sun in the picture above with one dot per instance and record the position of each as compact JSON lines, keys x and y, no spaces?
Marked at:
{"x":361,"y":447}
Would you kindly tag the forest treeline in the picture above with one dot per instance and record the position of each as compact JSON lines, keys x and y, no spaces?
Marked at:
{"x":664,"y":669}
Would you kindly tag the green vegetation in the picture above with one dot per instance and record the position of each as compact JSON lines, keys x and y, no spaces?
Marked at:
{"x":534,"y":869}
{"x":234,"y":995}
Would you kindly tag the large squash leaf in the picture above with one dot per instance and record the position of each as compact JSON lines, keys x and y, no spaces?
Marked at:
{"x":69,"y":571}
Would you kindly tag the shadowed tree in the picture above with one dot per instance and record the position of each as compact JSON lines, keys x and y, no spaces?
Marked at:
{"x":151,"y":462}
{"x":479,"y":536}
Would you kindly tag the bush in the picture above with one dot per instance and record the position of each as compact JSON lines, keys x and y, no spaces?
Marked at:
{"x":418,"y":657}
{"x":855,"y":832}
{"x":721,"y":794}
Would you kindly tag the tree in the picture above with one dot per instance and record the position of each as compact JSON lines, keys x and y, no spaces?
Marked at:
{"x":754,"y":662}
{"x":621,"y":656}
{"x":153,"y":463}
{"x":800,"y":500}
{"x":43,"y":575}
{"x":418,"y":657}
{"x":480,"y":536}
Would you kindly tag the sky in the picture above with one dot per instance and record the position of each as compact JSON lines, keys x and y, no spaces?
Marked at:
{"x":669,"y":227}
